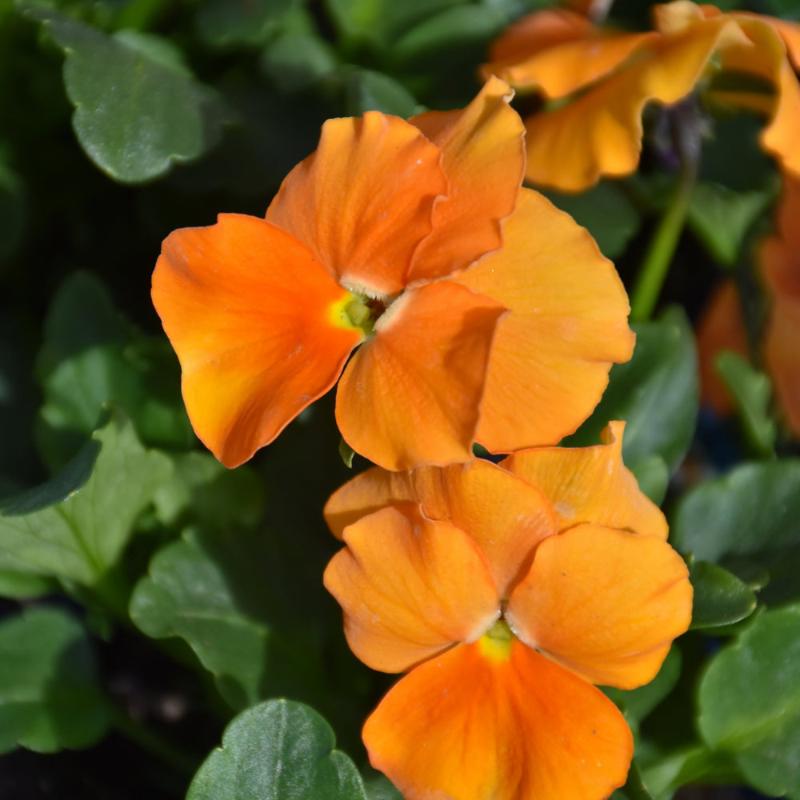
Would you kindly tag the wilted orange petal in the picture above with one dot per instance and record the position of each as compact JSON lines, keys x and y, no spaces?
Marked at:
{"x":409,"y":587}
{"x":412,"y":393}
{"x":465,"y":727}
{"x":720,"y":328}
{"x":600,"y":133}
{"x":363,"y":201}
{"x":483,"y":150}
{"x":247,"y":309}
{"x":590,"y":484}
{"x":568,"y":324}
{"x":604,"y":603}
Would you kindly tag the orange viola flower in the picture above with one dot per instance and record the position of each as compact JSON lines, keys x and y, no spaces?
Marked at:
{"x":601,"y":80}
{"x":722,"y":326}
{"x":506,"y":593}
{"x":470,"y":297}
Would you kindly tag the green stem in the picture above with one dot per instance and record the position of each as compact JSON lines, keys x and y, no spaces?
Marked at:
{"x":152,"y":743}
{"x":662,"y":249}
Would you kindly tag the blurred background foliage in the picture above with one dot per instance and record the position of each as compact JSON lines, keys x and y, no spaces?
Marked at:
{"x":147,"y":594}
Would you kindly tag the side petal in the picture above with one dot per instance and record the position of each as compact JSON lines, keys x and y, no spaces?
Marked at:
{"x":590,"y":484}
{"x":568,"y":323}
{"x":410,"y":588}
{"x":483,"y":152}
{"x":248,"y":310}
{"x":604,"y":603}
{"x":463,"y":726}
{"x":600,"y":133}
{"x":412,"y":393}
{"x":363,"y":201}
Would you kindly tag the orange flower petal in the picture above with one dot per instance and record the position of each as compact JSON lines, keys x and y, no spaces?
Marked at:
{"x":720,"y":328}
{"x":568,"y":324}
{"x":600,"y":133}
{"x":559,"y":52}
{"x":503,"y":514}
{"x":410,"y":588}
{"x":247,"y":310}
{"x":483,"y":150}
{"x":781,"y":271}
{"x":463,"y":726}
{"x":363,"y":201}
{"x":604,"y":603}
{"x":591,"y":484}
{"x":412,"y":393}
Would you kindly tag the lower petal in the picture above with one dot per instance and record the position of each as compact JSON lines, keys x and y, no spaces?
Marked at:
{"x":248,"y":310}
{"x":412,"y":394}
{"x":467,"y":727}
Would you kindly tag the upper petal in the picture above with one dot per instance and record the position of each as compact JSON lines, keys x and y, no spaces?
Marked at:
{"x":591,"y":484}
{"x":600,"y":133}
{"x":464,"y":727}
{"x":567,"y":325}
{"x":504,"y":515}
{"x":409,"y":587}
{"x":248,"y":310}
{"x":363,"y":201}
{"x":483,"y":152}
{"x":604,"y":603}
{"x":412,"y":393}
{"x":559,"y":52}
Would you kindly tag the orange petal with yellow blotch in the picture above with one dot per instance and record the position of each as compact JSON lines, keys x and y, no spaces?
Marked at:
{"x":363,"y":201}
{"x":412,"y":393}
{"x":247,"y":309}
{"x":600,"y":133}
{"x":558,"y":52}
{"x":590,"y":484}
{"x":721,"y":327}
{"x":410,"y":588}
{"x":467,"y":727}
{"x":604,"y":603}
{"x":567,"y":325}
{"x":483,"y":152}
{"x":505,"y":516}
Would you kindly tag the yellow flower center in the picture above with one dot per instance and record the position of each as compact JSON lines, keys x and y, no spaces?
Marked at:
{"x":496,"y":643}
{"x":356,"y":312}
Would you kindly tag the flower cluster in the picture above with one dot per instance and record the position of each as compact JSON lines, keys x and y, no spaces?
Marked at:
{"x":404,"y":260}
{"x":598,"y":81}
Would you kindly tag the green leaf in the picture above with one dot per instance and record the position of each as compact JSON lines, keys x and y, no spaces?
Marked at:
{"x":751,"y":392}
{"x":137,"y":112}
{"x":296,"y":61}
{"x":373,"y":91}
{"x":720,"y":598}
{"x":656,"y":393}
{"x":694,"y":764}
{"x":380,"y":788}
{"x":210,"y":495}
{"x":49,"y":697}
{"x":75,"y":526}
{"x":92,"y":358}
{"x":223,"y":23}
{"x":652,"y":475}
{"x":23,"y":585}
{"x":213,"y":592}
{"x":606,"y":212}
{"x":749,"y":702}
{"x":279,"y":750}
{"x":752,"y":509}
{"x":721,"y":218}
{"x":13,"y":210}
